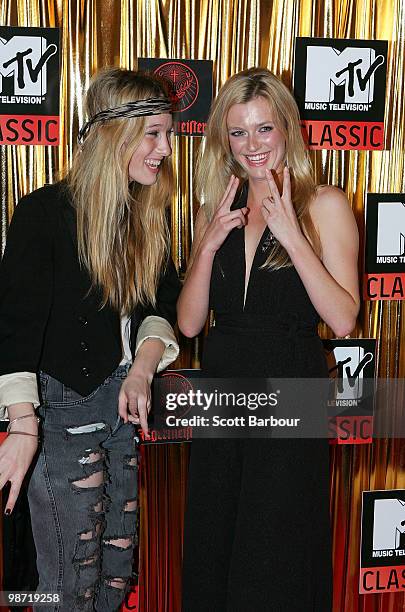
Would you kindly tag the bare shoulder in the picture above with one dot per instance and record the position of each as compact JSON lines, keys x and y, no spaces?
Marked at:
{"x":333,"y":218}
{"x":327,"y":199}
{"x":330,"y":206}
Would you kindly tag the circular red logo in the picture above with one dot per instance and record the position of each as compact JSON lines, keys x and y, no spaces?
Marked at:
{"x":174,"y":382}
{"x":183,"y":84}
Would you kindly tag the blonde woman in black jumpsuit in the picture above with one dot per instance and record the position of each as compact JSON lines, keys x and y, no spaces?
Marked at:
{"x":272,"y":255}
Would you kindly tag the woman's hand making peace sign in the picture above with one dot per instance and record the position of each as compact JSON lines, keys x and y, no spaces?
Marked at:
{"x":193,"y":303}
{"x":279,"y":213}
{"x":224,"y":219}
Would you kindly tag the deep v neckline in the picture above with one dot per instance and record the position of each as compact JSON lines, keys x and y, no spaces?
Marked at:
{"x":246,"y":282}
{"x":240,"y":202}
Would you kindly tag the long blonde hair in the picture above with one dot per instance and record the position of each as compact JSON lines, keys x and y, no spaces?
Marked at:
{"x":216,"y":163}
{"x":123,"y":237}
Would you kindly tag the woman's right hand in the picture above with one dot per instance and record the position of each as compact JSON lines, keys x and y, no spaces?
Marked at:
{"x":224,"y":219}
{"x":16,"y":454}
{"x":193,"y":303}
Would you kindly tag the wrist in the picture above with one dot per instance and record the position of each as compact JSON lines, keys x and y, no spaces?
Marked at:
{"x":18,"y":410}
{"x":139,"y":370}
{"x":28,"y":424}
{"x":296,"y":245}
{"x":206,"y":250}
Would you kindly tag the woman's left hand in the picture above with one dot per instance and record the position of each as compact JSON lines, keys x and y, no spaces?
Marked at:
{"x":279,"y":213}
{"x":134,"y":400}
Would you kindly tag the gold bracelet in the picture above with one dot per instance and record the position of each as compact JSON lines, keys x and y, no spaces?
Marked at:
{"x":24,"y":416}
{"x":23,"y":433}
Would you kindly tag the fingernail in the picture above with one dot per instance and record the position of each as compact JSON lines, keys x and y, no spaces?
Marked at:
{"x":7,"y":511}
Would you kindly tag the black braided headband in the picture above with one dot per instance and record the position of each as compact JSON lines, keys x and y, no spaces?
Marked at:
{"x":140,"y":108}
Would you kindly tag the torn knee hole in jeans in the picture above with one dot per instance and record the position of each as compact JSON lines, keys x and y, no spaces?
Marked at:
{"x":92,"y":464}
{"x":90,"y":561}
{"x":87,"y":548}
{"x":120,"y":544}
{"x":82,"y":599}
{"x":131,"y":505}
{"x":85,"y":429}
{"x":116,"y":583}
{"x":92,"y":533}
{"x":94,"y":480}
{"x":87,"y":535}
{"x":98,"y":507}
{"x":91,"y":456}
{"x":130,"y":461}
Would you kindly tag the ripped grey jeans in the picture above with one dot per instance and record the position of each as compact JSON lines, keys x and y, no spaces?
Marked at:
{"x":83,"y":497}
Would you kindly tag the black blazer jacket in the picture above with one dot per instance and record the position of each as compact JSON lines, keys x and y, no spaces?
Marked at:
{"x":48,"y":319}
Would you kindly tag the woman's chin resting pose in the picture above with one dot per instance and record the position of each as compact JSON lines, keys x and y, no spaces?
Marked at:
{"x":87,"y":299}
{"x":272,"y":254}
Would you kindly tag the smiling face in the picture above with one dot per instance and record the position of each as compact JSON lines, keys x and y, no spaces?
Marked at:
{"x":155,"y":146}
{"x":255,"y":141}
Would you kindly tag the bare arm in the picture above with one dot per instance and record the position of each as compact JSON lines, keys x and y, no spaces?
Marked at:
{"x":18,"y":450}
{"x":332,"y":284}
{"x":192,"y":306}
{"x":193,"y":303}
{"x":155,"y":348}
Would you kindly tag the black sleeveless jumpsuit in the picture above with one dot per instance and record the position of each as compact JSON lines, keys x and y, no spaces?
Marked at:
{"x":257,"y":533}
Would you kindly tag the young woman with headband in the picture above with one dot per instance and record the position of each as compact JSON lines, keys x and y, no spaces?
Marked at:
{"x":272,"y":254}
{"x":87,"y":299}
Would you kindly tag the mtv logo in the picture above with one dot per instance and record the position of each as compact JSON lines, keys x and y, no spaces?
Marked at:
{"x":389,"y":523}
{"x":353,"y":68}
{"x":25,"y":58}
{"x":391,"y":229}
{"x":350,"y":363}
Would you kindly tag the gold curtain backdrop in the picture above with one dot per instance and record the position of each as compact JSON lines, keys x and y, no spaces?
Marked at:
{"x":235,"y":34}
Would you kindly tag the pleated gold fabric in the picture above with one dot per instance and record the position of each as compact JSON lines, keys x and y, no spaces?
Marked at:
{"x":235,"y":34}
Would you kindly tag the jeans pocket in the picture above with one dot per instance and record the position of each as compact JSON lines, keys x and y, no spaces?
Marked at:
{"x":57,"y":395}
